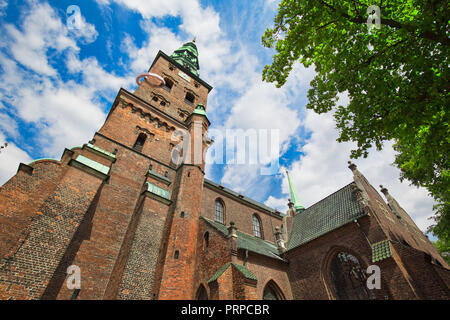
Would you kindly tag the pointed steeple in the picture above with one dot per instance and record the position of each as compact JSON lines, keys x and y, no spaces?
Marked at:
{"x":187,"y":56}
{"x":294,"y":197}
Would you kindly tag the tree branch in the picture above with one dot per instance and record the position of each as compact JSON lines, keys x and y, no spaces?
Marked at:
{"x":394,"y":24}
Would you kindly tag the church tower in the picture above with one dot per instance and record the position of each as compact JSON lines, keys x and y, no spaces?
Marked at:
{"x":123,"y":207}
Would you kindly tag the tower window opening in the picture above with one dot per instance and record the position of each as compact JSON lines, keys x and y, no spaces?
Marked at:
{"x":163,"y":103}
{"x":176,"y":255}
{"x":155,"y":99}
{"x":189,"y":99}
{"x":140,"y":142}
{"x":169,"y":84}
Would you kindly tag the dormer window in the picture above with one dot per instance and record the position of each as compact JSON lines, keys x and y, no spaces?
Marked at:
{"x":189,"y":99}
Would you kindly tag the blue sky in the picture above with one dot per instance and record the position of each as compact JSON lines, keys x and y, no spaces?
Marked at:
{"x":57,"y":85}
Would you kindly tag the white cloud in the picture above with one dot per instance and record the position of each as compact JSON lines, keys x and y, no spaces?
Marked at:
{"x":322,"y":170}
{"x":81,"y":29}
{"x":8,"y":125}
{"x":66,"y":113}
{"x":42,"y":30}
{"x":3,"y":6}
{"x":10,"y":157}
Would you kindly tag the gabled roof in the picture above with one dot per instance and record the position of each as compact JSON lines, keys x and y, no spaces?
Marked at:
{"x":248,"y":242}
{"x":241,"y":268}
{"x":330,"y":213}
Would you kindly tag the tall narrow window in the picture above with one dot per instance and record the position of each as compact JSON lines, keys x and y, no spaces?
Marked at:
{"x":189,"y":99}
{"x":257,"y":229}
{"x":206,"y":240}
{"x":140,"y":142}
{"x":218,"y":211}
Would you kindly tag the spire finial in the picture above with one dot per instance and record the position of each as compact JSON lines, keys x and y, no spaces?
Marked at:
{"x":195,"y":38}
{"x":294,"y":197}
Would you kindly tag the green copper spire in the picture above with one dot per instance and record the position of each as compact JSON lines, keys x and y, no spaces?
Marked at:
{"x":294,"y":197}
{"x":200,"y":109}
{"x":187,"y":56}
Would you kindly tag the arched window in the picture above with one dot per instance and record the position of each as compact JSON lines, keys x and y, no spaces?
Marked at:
{"x":348,"y":278}
{"x":201,"y":293}
{"x":272,"y":292}
{"x":169,"y":84}
{"x":140,"y":142}
{"x":257,"y":228}
{"x":218,"y":211}
{"x":189,"y":99}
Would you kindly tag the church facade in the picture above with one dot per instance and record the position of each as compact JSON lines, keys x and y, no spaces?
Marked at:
{"x":139,"y":225}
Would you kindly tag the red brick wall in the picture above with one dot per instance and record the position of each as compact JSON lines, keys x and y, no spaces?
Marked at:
{"x":211,"y":258}
{"x":307,"y":267}
{"x":241,"y":214}
{"x":399,"y":229}
{"x":265,"y":270}
{"x":26,"y":273}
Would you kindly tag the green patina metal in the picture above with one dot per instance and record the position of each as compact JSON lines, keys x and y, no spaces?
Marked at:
{"x":159,"y":176}
{"x":92,"y":164}
{"x":158,"y":191}
{"x":40,"y":159}
{"x":200,"y":109}
{"x":381,"y":250}
{"x":187,"y":56}
{"x":248,"y":242}
{"x":100,"y":151}
{"x":298,"y":206}
{"x":241,"y":268}
{"x":332,"y":212}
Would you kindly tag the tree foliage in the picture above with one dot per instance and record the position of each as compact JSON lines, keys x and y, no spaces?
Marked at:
{"x":397,"y":79}
{"x":444,"y":249}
